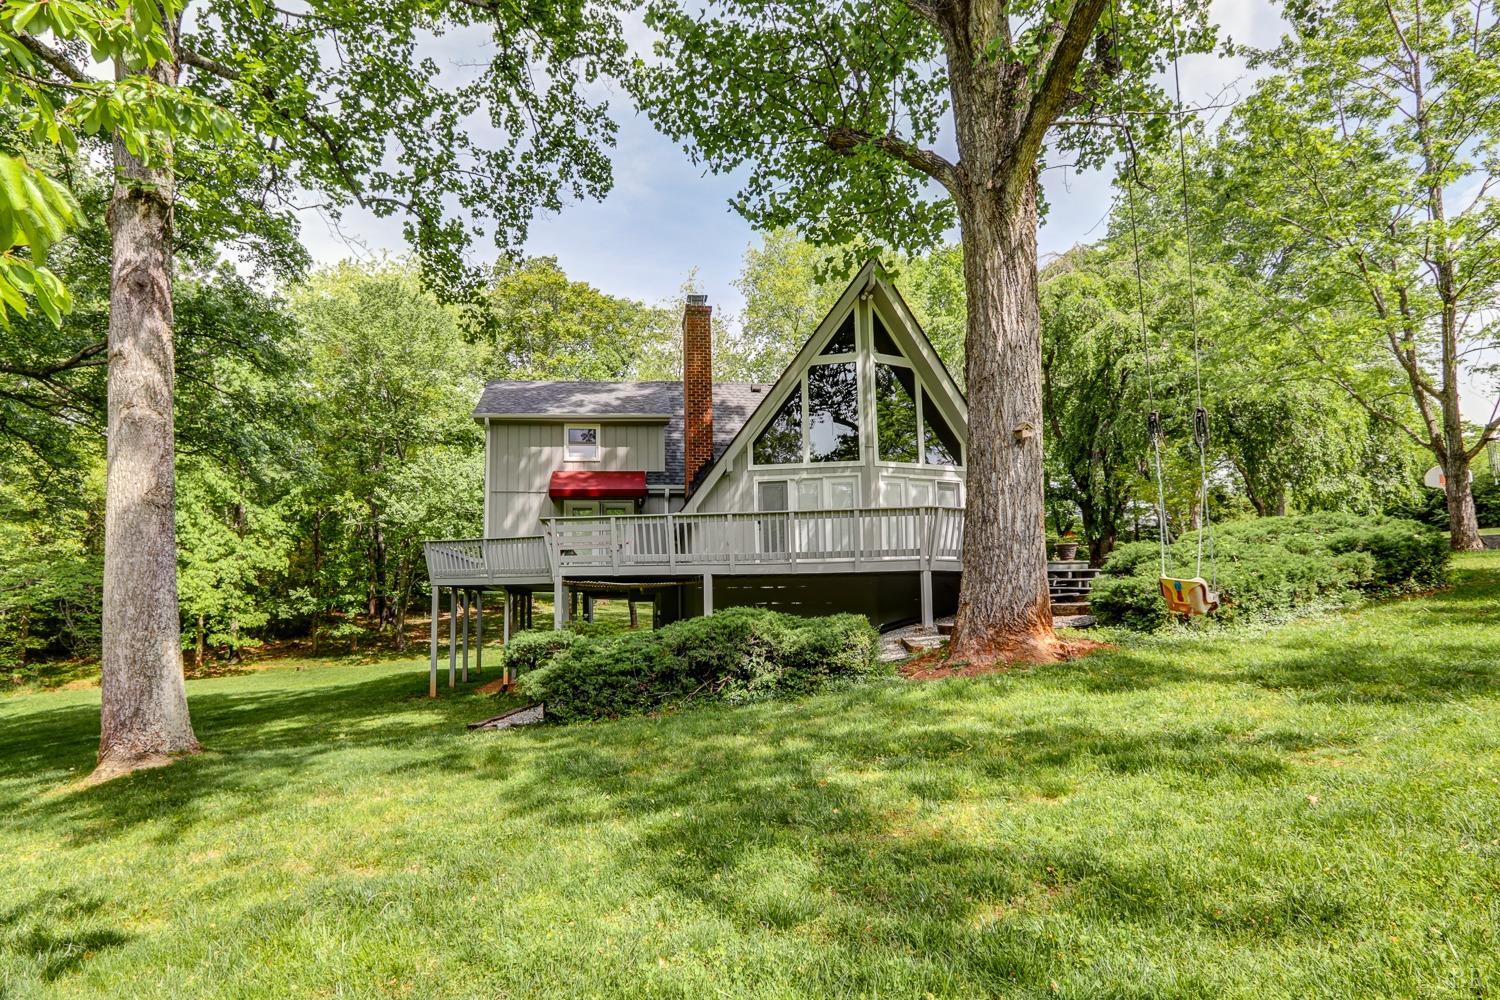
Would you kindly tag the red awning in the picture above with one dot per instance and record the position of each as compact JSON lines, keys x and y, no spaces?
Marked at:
{"x":598,"y":486}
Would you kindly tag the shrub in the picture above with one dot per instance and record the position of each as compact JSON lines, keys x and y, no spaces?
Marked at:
{"x":1132,"y":601}
{"x":1277,"y":564}
{"x":528,"y":651}
{"x":737,"y":655}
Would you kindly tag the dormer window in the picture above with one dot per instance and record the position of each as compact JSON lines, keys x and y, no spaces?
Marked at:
{"x":580,"y":442}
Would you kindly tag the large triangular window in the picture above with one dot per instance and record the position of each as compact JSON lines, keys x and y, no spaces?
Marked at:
{"x":781,"y":442}
{"x":820,"y":419}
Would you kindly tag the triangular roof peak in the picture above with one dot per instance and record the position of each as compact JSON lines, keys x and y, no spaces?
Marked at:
{"x":870,"y":283}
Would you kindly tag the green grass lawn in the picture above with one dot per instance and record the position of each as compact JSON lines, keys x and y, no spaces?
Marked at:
{"x":1308,"y":810}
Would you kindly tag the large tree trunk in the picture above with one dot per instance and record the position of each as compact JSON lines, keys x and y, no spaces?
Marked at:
{"x":1463,"y":523}
{"x":1003,"y":609}
{"x":143,"y":704}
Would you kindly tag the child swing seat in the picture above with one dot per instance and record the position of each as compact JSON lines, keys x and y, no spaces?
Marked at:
{"x":1189,"y":597}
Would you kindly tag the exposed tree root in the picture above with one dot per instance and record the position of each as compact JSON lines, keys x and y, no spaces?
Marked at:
{"x":942,"y":663}
{"x":118,"y":765}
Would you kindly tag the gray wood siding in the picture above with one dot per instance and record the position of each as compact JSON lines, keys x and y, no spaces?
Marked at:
{"x":523,"y":456}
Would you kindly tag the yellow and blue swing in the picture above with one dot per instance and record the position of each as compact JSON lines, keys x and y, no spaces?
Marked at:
{"x":1194,"y":595}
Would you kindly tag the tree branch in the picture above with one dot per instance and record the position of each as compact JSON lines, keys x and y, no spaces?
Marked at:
{"x":86,"y":357}
{"x":52,"y":57}
{"x":187,"y":57}
{"x":844,"y":141}
{"x":1056,"y":88}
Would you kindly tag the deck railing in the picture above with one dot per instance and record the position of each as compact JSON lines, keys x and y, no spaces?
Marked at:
{"x":822,"y":541}
{"x":496,"y":559}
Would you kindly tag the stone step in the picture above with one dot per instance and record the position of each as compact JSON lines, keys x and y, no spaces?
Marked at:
{"x":923,"y":643}
{"x":1070,"y":608}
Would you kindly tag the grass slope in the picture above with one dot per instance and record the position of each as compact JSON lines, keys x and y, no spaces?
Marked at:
{"x":1307,"y":811}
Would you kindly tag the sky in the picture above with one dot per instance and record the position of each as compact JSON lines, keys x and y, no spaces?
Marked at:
{"x":666,"y":219}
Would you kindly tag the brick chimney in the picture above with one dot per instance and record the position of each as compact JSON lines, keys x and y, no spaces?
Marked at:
{"x":697,"y":388}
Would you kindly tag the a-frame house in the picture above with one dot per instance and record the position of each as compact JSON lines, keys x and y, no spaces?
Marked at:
{"x":840,"y":487}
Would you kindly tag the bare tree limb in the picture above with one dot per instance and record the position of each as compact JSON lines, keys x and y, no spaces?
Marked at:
{"x":52,"y":57}
{"x":84,"y":358}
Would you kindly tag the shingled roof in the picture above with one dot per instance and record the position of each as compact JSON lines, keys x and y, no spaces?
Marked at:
{"x":733,"y":404}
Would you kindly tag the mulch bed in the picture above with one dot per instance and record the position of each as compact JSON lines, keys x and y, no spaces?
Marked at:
{"x":935,"y":665}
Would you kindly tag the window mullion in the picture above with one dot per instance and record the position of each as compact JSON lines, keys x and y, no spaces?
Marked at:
{"x":921,"y":422}
{"x":806,"y":423}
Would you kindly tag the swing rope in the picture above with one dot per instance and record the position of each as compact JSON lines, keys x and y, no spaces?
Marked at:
{"x":1200,"y":413}
{"x":1153,"y":416}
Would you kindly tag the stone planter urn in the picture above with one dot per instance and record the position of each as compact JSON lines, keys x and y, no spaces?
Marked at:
{"x":1067,"y":551}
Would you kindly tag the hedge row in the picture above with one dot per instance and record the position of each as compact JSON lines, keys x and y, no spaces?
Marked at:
{"x":1277,"y":564}
{"x":736,"y":655}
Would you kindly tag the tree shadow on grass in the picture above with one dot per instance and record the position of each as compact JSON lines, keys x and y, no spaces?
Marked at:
{"x":254,"y":740}
{"x":44,"y":929}
{"x":777,"y":824}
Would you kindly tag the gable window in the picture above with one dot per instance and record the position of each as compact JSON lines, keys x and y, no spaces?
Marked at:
{"x":781,"y":442}
{"x":883,"y":343}
{"x":842,"y":342}
{"x":909,"y":428}
{"x":942,"y":444}
{"x":581,"y":443}
{"x":896,"y":413}
{"x":833,"y":412}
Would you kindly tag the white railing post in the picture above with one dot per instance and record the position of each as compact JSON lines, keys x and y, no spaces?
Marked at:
{"x":859,"y":539}
{"x":671,"y":544}
{"x":791,"y":536}
{"x":614,"y":544}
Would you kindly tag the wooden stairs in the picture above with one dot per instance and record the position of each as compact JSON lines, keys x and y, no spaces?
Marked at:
{"x":1070,"y":584}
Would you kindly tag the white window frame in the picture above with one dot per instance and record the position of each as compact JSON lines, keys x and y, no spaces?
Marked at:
{"x":570,"y":456}
{"x":806,"y":462}
{"x":923,"y":401}
{"x":786,"y":483}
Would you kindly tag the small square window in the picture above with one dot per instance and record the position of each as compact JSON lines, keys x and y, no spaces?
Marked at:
{"x":581,"y":443}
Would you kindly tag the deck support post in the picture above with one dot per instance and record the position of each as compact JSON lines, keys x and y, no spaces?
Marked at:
{"x":507,"y":608}
{"x":452,"y":636}
{"x":926,"y":576}
{"x":465,"y":597}
{"x":708,"y":593}
{"x":635,"y":621}
{"x":479,"y":626}
{"x":432,"y":643}
{"x":588,"y":608}
{"x":559,"y":604}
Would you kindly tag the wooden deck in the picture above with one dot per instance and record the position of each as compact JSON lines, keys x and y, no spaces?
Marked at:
{"x":577,"y":551}
{"x":884,"y":540}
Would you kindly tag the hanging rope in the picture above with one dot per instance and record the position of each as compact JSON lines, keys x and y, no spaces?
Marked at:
{"x":1153,"y":416}
{"x":1200,"y":412}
